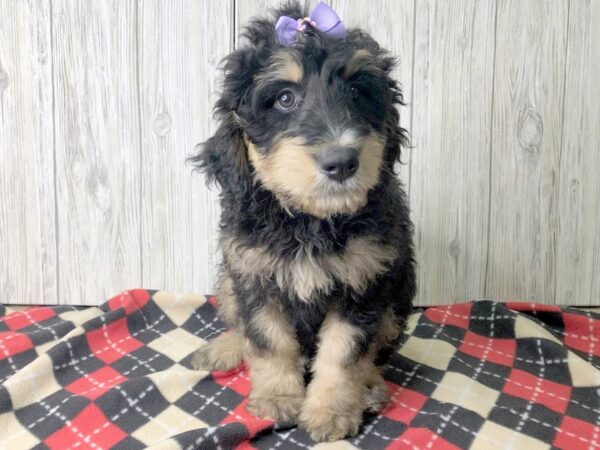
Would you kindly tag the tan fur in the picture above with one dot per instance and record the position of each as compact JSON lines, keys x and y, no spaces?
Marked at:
{"x":283,"y":65}
{"x":276,"y":375}
{"x":362,"y":260}
{"x":221,"y":353}
{"x":337,"y":395}
{"x":337,"y":343}
{"x":370,"y":160}
{"x":362,"y":60}
{"x":226,"y":350}
{"x":228,"y":308}
{"x":290,"y":171}
{"x":274,"y":326}
{"x":289,"y":168}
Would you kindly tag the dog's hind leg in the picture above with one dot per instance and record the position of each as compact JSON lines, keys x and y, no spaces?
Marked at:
{"x":386,"y":342}
{"x":227,"y":350}
{"x":376,"y":396}
{"x":224,"y":352}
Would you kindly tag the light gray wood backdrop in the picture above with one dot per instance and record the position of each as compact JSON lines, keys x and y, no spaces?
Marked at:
{"x":101,"y":102}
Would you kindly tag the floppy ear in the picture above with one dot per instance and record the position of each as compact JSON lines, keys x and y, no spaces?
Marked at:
{"x":397,"y":137}
{"x":223,"y":158}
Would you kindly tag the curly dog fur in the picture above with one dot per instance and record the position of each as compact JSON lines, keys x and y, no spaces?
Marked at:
{"x":318,"y":273}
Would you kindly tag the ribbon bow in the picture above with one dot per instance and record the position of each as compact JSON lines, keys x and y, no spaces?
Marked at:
{"x":323,"y":18}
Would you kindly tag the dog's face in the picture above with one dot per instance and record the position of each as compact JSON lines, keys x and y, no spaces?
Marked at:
{"x":314,"y":128}
{"x":317,"y":121}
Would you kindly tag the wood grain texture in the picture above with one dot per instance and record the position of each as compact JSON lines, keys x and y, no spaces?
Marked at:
{"x":247,"y":9}
{"x":101,"y":102}
{"x":454,"y":60}
{"x":208,"y":48}
{"x":181,"y":43}
{"x":526,"y":135}
{"x":578,"y":230}
{"x":97,"y":149}
{"x":27,"y":196}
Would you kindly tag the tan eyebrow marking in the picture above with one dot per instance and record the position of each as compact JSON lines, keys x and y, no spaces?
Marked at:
{"x":284,"y":65}
{"x":362,"y":60}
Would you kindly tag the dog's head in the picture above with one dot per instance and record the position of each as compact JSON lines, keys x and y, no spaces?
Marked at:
{"x":315,"y":123}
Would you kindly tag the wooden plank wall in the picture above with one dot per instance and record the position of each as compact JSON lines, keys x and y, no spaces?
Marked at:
{"x":28,"y":256}
{"x":101,"y":102}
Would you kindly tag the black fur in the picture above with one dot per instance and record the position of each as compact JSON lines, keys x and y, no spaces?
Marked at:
{"x":254,"y":216}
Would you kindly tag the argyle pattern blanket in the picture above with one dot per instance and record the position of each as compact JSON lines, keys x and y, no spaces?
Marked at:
{"x":478,"y":375}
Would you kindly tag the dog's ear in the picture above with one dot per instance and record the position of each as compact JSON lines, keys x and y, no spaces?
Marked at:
{"x":223,"y":157}
{"x":397,"y":137}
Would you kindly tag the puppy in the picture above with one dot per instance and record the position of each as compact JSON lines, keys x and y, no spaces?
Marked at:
{"x":318,"y":273}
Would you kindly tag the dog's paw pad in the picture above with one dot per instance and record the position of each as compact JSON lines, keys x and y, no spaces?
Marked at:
{"x":283,"y":408}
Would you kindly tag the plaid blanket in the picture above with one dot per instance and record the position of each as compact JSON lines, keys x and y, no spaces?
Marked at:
{"x":476,"y":375}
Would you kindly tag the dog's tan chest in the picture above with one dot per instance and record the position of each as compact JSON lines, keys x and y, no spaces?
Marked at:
{"x":306,"y":275}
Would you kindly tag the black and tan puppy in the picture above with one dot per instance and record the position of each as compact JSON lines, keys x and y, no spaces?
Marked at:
{"x":318,"y":271}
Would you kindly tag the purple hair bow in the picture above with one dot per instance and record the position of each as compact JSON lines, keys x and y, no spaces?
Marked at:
{"x":322,"y":18}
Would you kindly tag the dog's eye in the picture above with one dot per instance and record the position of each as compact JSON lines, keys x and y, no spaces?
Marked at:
{"x":286,"y":100}
{"x":354,"y":92}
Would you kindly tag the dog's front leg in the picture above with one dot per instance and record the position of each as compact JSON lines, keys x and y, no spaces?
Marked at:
{"x":335,"y":399}
{"x":276,"y":369}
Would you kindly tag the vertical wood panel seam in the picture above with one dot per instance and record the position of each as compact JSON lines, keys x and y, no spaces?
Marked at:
{"x":136,"y":12}
{"x":233,"y":34}
{"x":555,"y":230}
{"x":490,"y":154}
{"x":54,"y":167}
{"x":412,"y":97}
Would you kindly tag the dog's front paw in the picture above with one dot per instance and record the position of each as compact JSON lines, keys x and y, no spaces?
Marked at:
{"x":222,"y":353}
{"x":284,"y":408}
{"x":324,"y":422}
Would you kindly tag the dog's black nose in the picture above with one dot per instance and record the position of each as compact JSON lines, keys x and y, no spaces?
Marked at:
{"x":339,"y":163}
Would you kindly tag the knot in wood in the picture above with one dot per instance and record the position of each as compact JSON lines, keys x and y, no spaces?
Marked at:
{"x":162,"y":124}
{"x":530,"y":130}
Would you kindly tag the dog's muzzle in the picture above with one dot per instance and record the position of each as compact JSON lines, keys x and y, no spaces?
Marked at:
{"x":339,"y":163}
